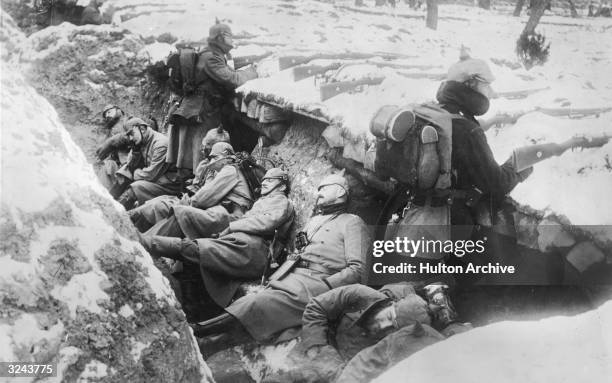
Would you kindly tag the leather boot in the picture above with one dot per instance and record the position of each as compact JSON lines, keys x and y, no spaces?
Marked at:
{"x":128,"y":199}
{"x":212,"y":344}
{"x":159,"y":246}
{"x":224,"y":323}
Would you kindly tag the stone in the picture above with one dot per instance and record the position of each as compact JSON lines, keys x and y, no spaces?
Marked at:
{"x":167,"y":38}
{"x":584,"y":255}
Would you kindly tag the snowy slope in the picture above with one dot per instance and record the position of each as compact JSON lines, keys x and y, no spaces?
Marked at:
{"x":557,"y":349}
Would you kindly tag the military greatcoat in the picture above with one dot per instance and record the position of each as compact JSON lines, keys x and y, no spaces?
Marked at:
{"x":336,"y":253}
{"x":242,"y":254}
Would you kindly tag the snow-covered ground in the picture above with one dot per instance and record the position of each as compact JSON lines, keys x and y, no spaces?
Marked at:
{"x":576,"y":75}
{"x":557,"y":349}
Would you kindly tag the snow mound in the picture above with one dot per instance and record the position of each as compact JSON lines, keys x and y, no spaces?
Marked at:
{"x":70,"y":262}
{"x":557,"y":349}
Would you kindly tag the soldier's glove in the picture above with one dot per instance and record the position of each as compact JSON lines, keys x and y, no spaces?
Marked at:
{"x":313,"y":351}
{"x":113,"y":143}
{"x":185,"y":200}
{"x":523,"y":174}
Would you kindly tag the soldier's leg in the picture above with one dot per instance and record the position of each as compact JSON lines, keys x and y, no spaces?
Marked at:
{"x":128,"y":199}
{"x":153,"y":211}
{"x":146,"y":190}
{"x":201,"y":223}
{"x":168,"y":227}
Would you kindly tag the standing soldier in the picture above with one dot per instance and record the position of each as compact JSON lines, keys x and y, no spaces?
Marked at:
{"x":146,"y":167}
{"x":200,"y":108}
{"x":330,"y":253}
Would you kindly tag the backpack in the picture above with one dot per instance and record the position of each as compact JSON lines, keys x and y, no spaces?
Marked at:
{"x":420,"y":165}
{"x":181,"y":71}
{"x":421,"y":162}
{"x":252,"y":171}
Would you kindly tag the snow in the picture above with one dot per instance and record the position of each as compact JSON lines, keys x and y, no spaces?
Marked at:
{"x":556,"y":349}
{"x":126,"y":311}
{"x":93,"y":370}
{"x":84,"y":291}
{"x":156,"y":51}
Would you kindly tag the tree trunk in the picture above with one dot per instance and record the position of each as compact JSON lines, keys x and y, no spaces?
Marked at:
{"x":484,"y":4}
{"x":518,"y":8}
{"x":537,"y":10}
{"x":573,"y":9}
{"x":432,"y":14}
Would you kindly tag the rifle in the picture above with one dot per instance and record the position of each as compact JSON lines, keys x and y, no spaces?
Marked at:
{"x":294,"y":60}
{"x":526,"y":156}
{"x":243,"y":61}
{"x":511,"y":118}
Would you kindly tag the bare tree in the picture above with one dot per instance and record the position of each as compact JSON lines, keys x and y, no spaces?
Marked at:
{"x":518,"y":8}
{"x":537,"y":11}
{"x":431,"y":20}
{"x":484,"y":4}
{"x":573,"y":9}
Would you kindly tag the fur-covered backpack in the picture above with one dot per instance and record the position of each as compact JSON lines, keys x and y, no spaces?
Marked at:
{"x":414,"y":146}
{"x":253,"y":172}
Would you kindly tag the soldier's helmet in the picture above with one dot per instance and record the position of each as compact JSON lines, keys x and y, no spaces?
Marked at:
{"x":276,"y":173}
{"x":468,"y":69}
{"x":220,"y":149}
{"x":215,"y":135}
{"x":109,"y":107}
{"x":335,"y":179}
{"x":219,"y":29}
{"x":132,"y":122}
{"x":411,"y":309}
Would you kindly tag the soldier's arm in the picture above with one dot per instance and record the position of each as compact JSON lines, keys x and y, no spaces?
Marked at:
{"x":374,"y":360}
{"x":264,"y":219}
{"x":156,"y":168}
{"x":115,"y":142}
{"x":491,"y":177}
{"x":329,"y":307}
{"x":356,"y":244}
{"x":220,"y":72}
{"x":214,"y":190}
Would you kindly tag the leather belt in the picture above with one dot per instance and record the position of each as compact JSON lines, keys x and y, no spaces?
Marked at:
{"x":445,"y":197}
{"x":304,"y":264}
{"x":232,"y":206}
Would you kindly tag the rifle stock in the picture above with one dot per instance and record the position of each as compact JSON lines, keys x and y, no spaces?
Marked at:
{"x":527,"y":156}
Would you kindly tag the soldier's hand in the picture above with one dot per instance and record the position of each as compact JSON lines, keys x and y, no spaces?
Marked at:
{"x":523,"y":174}
{"x":312,"y":352}
{"x":185,"y":200}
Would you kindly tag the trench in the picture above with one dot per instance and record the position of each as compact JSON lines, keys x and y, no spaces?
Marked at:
{"x":307,"y":156}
